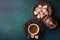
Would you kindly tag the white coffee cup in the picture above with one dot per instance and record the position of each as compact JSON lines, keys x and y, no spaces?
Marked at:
{"x":32,"y":30}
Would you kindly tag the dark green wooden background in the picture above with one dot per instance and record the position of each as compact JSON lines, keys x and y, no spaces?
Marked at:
{"x":13,"y":15}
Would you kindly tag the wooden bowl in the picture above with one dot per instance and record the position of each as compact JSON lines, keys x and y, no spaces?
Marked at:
{"x":50,"y":22}
{"x":33,"y":28}
{"x":49,"y":8}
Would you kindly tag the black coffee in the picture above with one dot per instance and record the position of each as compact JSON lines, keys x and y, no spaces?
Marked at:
{"x":33,"y":29}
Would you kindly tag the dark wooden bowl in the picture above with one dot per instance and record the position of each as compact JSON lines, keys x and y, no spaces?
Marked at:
{"x":31,"y":21}
{"x":49,"y":9}
{"x":47,"y":21}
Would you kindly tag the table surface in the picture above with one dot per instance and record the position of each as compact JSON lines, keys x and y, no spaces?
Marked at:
{"x":13,"y":15}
